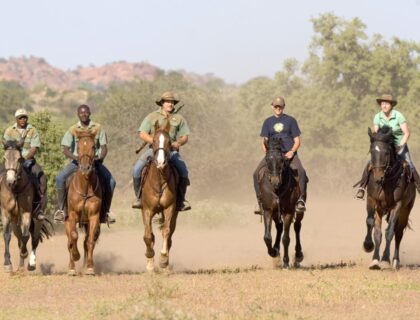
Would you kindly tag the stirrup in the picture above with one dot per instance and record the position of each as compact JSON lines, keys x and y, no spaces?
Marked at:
{"x":59,"y":216}
{"x":110,"y":218}
{"x":300,"y":205}
{"x":184,"y":206}
{"x":137,"y":204}
{"x":360,"y":194}
{"x":258,"y":210}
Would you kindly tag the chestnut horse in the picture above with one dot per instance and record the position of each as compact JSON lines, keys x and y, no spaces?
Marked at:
{"x":390,"y":194}
{"x":16,"y":197}
{"x":159,"y":196}
{"x":84,"y":204}
{"x":279,"y":193}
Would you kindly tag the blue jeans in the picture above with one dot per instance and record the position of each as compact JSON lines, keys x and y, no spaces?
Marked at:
{"x":60,"y":180}
{"x":174,"y":158}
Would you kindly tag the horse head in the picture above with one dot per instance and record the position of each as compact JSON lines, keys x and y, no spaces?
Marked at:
{"x":161,"y":144}
{"x":13,"y":161}
{"x":382,"y":152}
{"x":86,"y":152}
{"x":275,"y":161}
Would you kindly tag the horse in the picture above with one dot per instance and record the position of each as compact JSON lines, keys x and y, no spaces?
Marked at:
{"x":17,"y":194}
{"x":84,"y":202}
{"x":159,"y":196}
{"x":279,"y":193}
{"x":390,"y":194}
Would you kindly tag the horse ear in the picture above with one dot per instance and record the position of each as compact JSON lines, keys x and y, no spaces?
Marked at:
{"x":370,"y":134}
{"x":156,"y":125}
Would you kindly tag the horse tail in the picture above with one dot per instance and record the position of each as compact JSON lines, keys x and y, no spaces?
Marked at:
{"x":46,"y":230}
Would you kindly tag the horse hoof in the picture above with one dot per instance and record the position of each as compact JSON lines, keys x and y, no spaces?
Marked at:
{"x":368,"y":246}
{"x":299,"y":257}
{"x":276,"y":262}
{"x":285,"y":265}
{"x":90,"y":272}
{"x":24,"y":255}
{"x":375,"y":265}
{"x":296,"y":265}
{"x":385,"y":264}
{"x":8,"y":268}
{"x":164,"y":261}
{"x":31,"y":267}
{"x":150,"y":267}
{"x":395,"y":264}
{"x":71,"y":273}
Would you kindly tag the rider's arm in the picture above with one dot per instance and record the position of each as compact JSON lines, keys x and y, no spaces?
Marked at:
{"x":404,"y":129}
{"x":104,"y":152}
{"x":31,"y":153}
{"x":146,"y":137}
{"x":180,"y":142}
{"x":68,"y":154}
{"x":375,"y":128}
{"x":263,"y":142}
{"x":296,"y":145}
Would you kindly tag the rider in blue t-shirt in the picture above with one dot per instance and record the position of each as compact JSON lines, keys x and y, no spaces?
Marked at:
{"x":285,"y":127}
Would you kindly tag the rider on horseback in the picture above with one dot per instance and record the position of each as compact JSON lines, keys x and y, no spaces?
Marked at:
{"x":22,"y":130}
{"x":70,"y":151}
{"x":285,"y":127}
{"x":398,"y":124}
{"x":178,"y":133}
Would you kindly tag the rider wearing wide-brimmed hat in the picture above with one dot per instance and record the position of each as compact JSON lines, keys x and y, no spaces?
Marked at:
{"x":178,"y":133}
{"x":394,"y":119}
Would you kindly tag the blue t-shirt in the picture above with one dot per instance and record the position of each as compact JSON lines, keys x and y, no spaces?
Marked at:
{"x":284,"y":127}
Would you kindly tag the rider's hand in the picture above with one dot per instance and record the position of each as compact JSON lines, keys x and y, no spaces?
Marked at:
{"x":289,"y":154}
{"x":175,"y":145}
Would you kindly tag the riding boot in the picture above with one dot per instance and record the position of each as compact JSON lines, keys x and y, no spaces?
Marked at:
{"x":60,"y":215}
{"x":181,"y":203}
{"x":136,"y":184}
{"x":363,"y":183}
{"x":301,"y":202}
{"x":416,"y":179}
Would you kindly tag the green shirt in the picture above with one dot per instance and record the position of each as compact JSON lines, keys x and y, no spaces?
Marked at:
{"x":32,"y":139}
{"x":178,"y":124}
{"x":70,"y":138}
{"x":394,"y":123}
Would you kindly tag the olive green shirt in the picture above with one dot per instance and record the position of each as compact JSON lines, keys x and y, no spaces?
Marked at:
{"x":178,"y":124}
{"x":32,"y":139}
{"x":394,"y":123}
{"x":70,"y":138}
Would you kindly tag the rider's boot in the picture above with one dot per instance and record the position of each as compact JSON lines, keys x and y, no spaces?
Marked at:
{"x":181,"y":203}
{"x":60,"y":215}
{"x":136,"y":184}
{"x":301,"y":202}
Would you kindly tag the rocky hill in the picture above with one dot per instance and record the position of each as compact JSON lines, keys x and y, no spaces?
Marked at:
{"x":32,"y":71}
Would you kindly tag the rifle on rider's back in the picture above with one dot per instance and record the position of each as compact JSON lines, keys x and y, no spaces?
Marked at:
{"x":145,"y":143}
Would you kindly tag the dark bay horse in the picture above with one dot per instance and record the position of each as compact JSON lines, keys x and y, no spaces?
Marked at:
{"x":390,"y":194}
{"x":16,"y":202}
{"x":279,"y":193}
{"x":84,"y":204}
{"x":159,"y":196}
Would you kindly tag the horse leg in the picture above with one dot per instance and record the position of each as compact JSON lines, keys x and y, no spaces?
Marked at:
{"x":267,"y":233}
{"x":279,"y":229}
{"x":287,"y":221}
{"x":93,"y":226}
{"x":7,"y":235}
{"x":377,"y":239}
{"x":85,"y":246}
{"x":389,"y":233}
{"x":72,"y":236}
{"x":400,"y":225}
{"x":168,"y":213}
{"x":370,"y":222}
{"x":35,"y":236}
{"x":298,"y":248}
{"x":149,"y":239}
{"x":22,"y":234}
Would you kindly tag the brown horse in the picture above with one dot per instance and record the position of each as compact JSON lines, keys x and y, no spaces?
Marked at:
{"x":159,"y":196}
{"x":84,"y":204}
{"x":391,"y":194}
{"x":16,"y":197}
{"x":279,"y":193}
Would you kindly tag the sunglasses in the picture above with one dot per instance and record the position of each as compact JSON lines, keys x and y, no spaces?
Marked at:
{"x":23,"y":117}
{"x":277,"y":107}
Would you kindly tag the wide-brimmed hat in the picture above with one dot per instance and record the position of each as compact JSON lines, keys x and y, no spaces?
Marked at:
{"x":387,"y":98}
{"x":278,"y":101}
{"x":21,"y":113}
{"x":167,"y":96}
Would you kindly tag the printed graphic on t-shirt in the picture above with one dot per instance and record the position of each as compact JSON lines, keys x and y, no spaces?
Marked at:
{"x":278,"y":127}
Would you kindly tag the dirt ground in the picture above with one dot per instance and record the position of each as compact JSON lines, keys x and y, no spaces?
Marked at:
{"x":224,"y":272}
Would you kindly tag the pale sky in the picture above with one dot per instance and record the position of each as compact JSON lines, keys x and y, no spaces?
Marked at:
{"x":233,"y":39}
